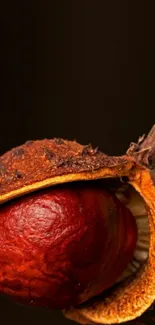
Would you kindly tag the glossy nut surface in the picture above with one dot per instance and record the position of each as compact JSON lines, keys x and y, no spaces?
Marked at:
{"x":61,"y":246}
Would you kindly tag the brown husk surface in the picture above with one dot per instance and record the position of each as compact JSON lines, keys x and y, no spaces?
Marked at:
{"x":144,"y":152}
{"x":43,"y":163}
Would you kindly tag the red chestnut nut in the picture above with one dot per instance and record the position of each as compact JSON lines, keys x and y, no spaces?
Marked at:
{"x":63,"y":245}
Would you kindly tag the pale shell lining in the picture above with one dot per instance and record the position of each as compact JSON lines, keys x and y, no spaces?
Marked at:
{"x":137,"y":206}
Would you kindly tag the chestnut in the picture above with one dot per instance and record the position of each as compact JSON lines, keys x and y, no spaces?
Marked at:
{"x":62,"y":246}
{"x":77,"y":229}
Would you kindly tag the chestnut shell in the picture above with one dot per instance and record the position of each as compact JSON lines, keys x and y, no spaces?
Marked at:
{"x":44,"y":163}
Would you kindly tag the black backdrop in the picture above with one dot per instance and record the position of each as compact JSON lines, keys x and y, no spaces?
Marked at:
{"x":81,"y":70}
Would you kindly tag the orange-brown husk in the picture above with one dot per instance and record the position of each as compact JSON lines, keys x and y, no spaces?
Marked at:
{"x":44,"y":163}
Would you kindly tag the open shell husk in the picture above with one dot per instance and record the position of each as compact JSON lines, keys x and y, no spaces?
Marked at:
{"x":44,"y":163}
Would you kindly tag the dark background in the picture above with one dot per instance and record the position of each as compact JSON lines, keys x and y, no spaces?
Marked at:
{"x":81,"y":70}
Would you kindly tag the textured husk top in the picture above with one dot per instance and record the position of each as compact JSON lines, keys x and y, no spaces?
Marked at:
{"x":44,"y":163}
{"x":39,"y":164}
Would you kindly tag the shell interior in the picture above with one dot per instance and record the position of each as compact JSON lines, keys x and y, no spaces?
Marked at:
{"x":135,"y":203}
